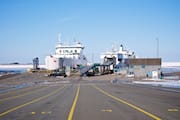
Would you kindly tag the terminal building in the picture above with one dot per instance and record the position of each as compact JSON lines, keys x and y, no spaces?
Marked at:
{"x":126,"y":63}
{"x":144,"y":67}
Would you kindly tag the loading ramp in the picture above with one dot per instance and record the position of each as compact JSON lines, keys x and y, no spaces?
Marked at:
{"x":85,"y":69}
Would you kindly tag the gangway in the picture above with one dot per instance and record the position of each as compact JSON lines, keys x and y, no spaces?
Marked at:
{"x":107,"y":63}
{"x":85,"y":69}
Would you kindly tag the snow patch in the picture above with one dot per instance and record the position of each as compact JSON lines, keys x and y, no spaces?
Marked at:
{"x":171,"y":84}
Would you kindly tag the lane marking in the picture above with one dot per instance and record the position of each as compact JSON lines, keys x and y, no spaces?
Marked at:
{"x":17,"y":96}
{"x":43,"y":112}
{"x":106,"y":110}
{"x":49,"y":112}
{"x":70,"y":116}
{"x":33,"y":113}
{"x":129,"y":104}
{"x":17,"y":90}
{"x":31,"y":102}
{"x":173,"y":110}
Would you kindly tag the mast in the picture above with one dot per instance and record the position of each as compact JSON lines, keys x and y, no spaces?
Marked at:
{"x":59,"y":38}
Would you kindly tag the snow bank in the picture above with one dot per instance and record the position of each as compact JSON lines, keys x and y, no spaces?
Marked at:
{"x":171,"y":84}
{"x":170,"y":64}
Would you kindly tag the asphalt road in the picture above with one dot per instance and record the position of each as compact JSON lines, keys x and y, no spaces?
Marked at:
{"x":89,"y":100}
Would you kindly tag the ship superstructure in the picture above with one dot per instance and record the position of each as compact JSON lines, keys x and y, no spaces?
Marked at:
{"x":74,"y":51}
{"x":118,"y":57}
{"x":67,"y":55}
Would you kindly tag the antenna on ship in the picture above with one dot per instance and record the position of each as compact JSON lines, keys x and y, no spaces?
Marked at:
{"x":59,"y":38}
{"x":75,"y":41}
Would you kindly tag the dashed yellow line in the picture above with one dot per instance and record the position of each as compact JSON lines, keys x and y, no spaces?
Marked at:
{"x":42,"y":113}
{"x":17,"y":96}
{"x":173,"y":110}
{"x":106,"y":110}
{"x":70,"y":116}
{"x":33,"y":113}
{"x":31,"y":102}
{"x":15,"y":91}
{"x":129,"y":104}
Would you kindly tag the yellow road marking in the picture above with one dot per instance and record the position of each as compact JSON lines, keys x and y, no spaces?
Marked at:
{"x":129,"y":104}
{"x":70,"y":116}
{"x":33,"y":113}
{"x":17,"y":96}
{"x":106,"y":110}
{"x":43,"y":112}
{"x":49,"y":112}
{"x":31,"y":102}
{"x":15,"y":91}
{"x":173,"y":110}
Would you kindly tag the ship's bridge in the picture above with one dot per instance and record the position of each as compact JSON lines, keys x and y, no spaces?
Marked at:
{"x":69,"y":51}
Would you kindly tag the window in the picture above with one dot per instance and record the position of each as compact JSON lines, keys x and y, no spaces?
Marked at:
{"x":75,"y":51}
{"x":143,"y":66}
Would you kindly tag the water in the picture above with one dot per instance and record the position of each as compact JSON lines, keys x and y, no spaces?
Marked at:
{"x":170,"y":69}
{"x":12,"y":70}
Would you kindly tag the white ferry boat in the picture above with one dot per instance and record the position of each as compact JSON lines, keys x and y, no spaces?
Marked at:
{"x":117,"y":56}
{"x":66,"y":55}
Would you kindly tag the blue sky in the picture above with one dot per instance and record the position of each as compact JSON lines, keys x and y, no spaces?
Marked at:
{"x":29,"y":28}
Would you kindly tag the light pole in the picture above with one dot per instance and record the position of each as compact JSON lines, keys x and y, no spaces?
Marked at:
{"x":158,"y":55}
{"x":157,"y":39}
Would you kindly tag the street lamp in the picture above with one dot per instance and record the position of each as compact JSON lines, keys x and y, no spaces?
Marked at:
{"x":157,"y":39}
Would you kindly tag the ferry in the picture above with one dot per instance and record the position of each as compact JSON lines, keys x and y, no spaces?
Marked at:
{"x":118,"y":57}
{"x":66,"y":55}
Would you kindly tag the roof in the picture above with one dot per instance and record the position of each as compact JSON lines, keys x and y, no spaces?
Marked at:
{"x":145,"y":61}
